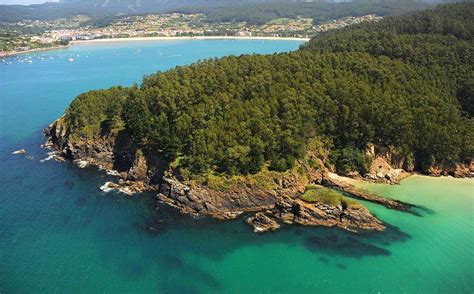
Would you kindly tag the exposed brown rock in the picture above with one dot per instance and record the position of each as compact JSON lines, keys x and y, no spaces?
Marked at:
{"x":277,"y":198}
{"x":139,"y":169}
{"x":262,"y":223}
{"x":353,"y":218}
{"x":459,"y":170}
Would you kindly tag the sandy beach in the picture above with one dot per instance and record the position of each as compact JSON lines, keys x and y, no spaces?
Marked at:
{"x":109,"y":40}
{"x":186,"y":38}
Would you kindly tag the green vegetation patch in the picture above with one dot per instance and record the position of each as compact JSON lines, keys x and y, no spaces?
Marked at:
{"x":265,"y":180}
{"x":326,"y":196}
{"x":403,"y":82}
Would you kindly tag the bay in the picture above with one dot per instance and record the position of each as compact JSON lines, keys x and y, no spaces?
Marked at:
{"x":60,"y":233}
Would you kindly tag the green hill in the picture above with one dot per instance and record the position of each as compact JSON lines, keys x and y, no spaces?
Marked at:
{"x":405,"y":83}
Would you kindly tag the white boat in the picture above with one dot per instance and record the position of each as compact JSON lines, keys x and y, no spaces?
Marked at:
{"x":70,"y":59}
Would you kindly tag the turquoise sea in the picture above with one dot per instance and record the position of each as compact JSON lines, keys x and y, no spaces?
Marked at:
{"x":60,"y":234}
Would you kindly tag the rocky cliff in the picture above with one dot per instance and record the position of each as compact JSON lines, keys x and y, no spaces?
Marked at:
{"x":274,"y":198}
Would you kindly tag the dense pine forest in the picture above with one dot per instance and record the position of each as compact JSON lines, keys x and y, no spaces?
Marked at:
{"x":404,"y":82}
{"x":320,"y":11}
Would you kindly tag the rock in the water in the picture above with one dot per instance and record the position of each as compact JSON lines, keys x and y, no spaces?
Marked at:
{"x":262,"y":223}
{"x":127,"y":187}
{"x":353,"y":218}
{"x":21,"y":151}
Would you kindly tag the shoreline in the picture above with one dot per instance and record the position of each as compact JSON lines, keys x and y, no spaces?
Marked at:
{"x":141,"y":39}
{"x":36,"y":50}
{"x":133,"y":39}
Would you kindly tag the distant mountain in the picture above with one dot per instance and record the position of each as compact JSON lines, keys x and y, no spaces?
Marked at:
{"x":98,"y":8}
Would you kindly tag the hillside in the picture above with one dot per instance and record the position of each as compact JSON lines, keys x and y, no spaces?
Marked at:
{"x":251,"y":11}
{"x":257,"y":132}
{"x":97,"y":8}
{"x":404,"y":83}
{"x":319,"y":11}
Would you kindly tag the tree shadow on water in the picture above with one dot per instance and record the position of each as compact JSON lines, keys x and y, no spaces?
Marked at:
{"x":176,"y":268}
{"x":343,"y":244}
{"x":354,"y":245}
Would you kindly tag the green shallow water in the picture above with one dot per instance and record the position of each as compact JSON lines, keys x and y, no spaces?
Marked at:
{"x":60,"y":233}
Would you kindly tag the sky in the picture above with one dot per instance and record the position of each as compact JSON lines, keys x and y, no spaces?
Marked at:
{"x":25,"y":2}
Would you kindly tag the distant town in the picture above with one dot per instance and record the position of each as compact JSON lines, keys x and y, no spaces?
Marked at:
{"x":37,"y":35}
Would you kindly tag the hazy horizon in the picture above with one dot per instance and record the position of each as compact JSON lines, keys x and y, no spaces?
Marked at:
{"x":24,"y":2}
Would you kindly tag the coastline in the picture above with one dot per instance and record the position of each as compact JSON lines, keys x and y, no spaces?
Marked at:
{"x":141,"y":39}
{"x":107,"y":40}
{"x":10,"y":54}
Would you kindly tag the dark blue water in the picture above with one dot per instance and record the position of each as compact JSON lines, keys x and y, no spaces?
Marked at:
{"x":60,"y":233}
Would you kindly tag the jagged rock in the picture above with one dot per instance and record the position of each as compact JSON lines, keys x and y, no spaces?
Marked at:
{"x":456,"y":170}
{"x":139,"y":172}
{"x":353,"y":218}
{"x":139,"y":169}
{"x":381,"y":171}
{"x":262,"y":223}
{"x":126,"y":187}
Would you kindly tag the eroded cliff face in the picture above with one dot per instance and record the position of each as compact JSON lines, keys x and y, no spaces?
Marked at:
{"x":389,"y":167}
{"x":275,"y":203}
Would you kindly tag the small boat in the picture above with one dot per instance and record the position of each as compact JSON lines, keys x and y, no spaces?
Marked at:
{"x":29,"y":61}
{"x":70,"y":59}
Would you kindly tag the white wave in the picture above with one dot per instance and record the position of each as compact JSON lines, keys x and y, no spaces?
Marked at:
{"x":112,"y":172}
{"x":50,"y":156}
{"x":21,"y":151}
{"x":81,"y":163}
{"x":110,"y":186}
{"x":106,"y":187}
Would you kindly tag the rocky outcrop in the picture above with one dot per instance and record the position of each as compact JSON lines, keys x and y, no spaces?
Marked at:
{"x":262,"y":223}
{"x":458,"y":170}
{"x":382,"y":172}
{"x":270,"y":208}
{"x":387,"y":166}
{"x":354,"y":217}
{"x":139,"y":169}
{"x":276,"y":201}
{"x":333,"y":181}
{"x":200,"y":200}
{"x":126,"y":187}
{"x":83,"y":151}
{"x":114,"y":153}
{"x":295,"y":211}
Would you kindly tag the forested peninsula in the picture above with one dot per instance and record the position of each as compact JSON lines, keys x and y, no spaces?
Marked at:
{"x":265,"y":133}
